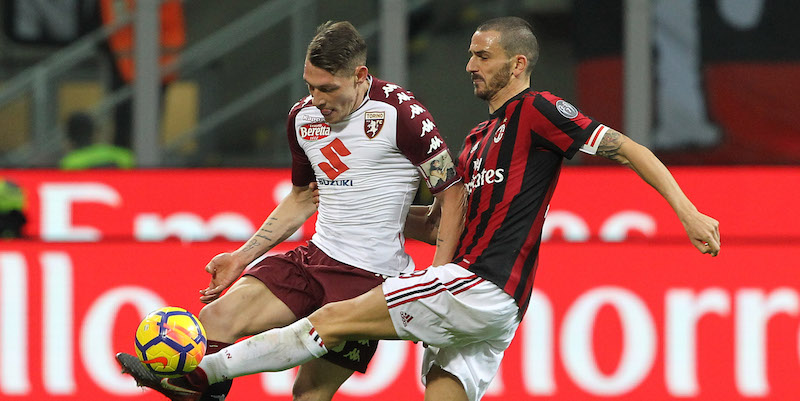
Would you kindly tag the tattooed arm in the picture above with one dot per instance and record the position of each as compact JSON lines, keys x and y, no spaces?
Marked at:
{"x":703,"y":231}
{"x":287,"y":217}
{"x":284,"y":220}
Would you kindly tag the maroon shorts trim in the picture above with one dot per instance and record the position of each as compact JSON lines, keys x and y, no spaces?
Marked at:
{"x":306,"y":278}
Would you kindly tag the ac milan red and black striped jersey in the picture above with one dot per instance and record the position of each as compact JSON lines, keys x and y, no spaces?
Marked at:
{"x":510,"y":165}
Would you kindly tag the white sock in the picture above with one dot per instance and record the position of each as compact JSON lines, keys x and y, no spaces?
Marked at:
{"x":271,"y":351}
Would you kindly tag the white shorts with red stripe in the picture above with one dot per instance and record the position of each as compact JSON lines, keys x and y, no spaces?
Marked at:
{"x":466,"y":321}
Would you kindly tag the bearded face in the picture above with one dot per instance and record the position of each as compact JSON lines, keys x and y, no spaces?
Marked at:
{"x":492,"y":82}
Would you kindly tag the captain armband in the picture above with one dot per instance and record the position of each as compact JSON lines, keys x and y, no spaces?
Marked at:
{"x":593,"y":142}
{"x":439,"y":171}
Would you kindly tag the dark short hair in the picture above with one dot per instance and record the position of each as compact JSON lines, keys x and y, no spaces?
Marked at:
{"x":516,"y":37}
{"x":337,"y":47}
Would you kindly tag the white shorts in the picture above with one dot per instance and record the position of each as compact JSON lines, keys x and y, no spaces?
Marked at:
{"x":466,"y":321}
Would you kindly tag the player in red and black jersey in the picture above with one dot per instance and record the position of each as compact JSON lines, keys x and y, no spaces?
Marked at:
{"x":468,"y":311}
{"x":510,"y":164}
{"x":512,"y":161}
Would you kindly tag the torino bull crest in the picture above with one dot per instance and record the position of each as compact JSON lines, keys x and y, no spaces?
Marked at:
{"x":373,"y":122}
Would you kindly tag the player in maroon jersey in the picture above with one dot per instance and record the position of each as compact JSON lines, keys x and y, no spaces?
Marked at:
{"x":468,"y":311}
{"x":365,"y":144}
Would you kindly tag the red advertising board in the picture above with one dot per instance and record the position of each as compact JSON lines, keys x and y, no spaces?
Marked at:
{"x":604,"y":203}
{"x":636,"y":316}
{"x":150,"y":205}
{"x":607,"y":321}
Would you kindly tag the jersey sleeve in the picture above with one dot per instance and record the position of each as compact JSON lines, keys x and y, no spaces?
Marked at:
{"x":561,"y":127}
{"x":419,"y":140}
{"x":302,"y":172}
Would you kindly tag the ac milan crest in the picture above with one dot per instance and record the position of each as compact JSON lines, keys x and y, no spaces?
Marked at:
{"x":373,"y":122}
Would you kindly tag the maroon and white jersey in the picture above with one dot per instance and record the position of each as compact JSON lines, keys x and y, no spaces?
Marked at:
{"x":367,"y":168}
{"x":510,"y":165}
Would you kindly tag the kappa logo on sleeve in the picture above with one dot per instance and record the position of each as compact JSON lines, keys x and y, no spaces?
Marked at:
{"x":389,"y":88}
{"x":404,"y":97}
{"x":436,"y":142}
{"x":416,"y":110}
{"x":427,"y":126}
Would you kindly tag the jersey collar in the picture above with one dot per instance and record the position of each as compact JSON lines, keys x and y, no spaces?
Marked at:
{"x":502,"y":109}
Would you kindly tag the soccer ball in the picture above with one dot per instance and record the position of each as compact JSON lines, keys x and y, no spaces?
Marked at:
{"x":170,"y":341}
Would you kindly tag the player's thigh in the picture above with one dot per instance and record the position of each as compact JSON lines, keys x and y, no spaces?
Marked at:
{"x":318,"y":380}
{"x":472,"y":366}
{"x":248,"y":307}
{"x":363,"y":317}
{"x":443,"y":386}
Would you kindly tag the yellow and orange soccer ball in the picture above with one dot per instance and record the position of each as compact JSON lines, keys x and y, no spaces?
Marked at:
{"x":171,"y":341}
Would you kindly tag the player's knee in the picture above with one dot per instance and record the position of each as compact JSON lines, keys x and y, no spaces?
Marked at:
{"x":216,"y":318}
{"x":206,"y":316}
{"x":441,"y":385}
{"x":326,"y":321}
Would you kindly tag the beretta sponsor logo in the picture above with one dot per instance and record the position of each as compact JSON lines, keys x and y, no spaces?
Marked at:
{"x":315,"y":131}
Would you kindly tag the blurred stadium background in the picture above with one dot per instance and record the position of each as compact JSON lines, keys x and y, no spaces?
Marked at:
{"x":624,"y":308}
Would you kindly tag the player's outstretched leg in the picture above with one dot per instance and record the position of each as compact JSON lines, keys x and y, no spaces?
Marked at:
{"x":185,"y":388}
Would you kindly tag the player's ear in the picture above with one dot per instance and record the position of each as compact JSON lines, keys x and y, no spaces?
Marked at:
{"x":519,"y":63}
{"x":361,"y":73}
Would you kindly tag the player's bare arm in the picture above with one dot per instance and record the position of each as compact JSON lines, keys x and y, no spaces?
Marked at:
{"x":422,"y":222}
{"x":287,"y":217}
{"x":451,"y":222}
{"x":264,"y":235}
{"x":703,"y":231}
{"x":609,"y":146}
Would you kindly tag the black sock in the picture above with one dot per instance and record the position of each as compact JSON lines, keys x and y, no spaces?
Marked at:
{"x":217,"y":391}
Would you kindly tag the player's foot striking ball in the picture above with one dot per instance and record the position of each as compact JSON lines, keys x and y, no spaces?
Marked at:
{"x":176,"y":389}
